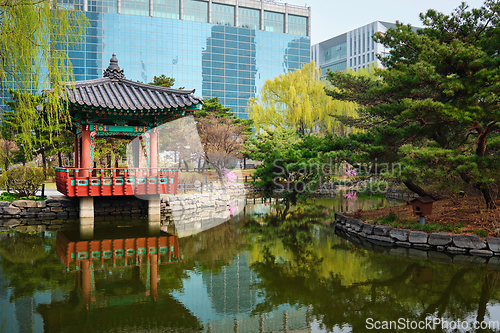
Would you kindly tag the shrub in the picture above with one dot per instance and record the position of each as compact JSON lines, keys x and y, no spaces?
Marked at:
{"x":23,"y":180}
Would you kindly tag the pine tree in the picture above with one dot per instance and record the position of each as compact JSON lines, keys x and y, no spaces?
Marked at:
{"x":436,"y":108}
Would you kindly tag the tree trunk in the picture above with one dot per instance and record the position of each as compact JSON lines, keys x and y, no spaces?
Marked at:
{"x":420,"y":191}
{"x":44,"y":163}
{"x":186,"y":165}
{"x":483,"y":299}
{"x":485,"y":190}
{"x":59,"y":159}
{"x":199,"y":164}
{"x":490,"y":203}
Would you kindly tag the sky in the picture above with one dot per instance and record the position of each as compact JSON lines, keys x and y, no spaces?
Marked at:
{"x":334,"y":17}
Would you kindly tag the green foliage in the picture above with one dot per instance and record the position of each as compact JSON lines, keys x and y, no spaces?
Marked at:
{"x":295,"y":163}
{"x":7,"y":196}
{"x":393,"y":220}
{"x":23,"y":180}
{"x":212,"y":107}
{"x":41,"y":137}
{"x":34,"y":39}
{"x":435,"y":108}
{"x":30,"y":264}
{"x":163,"y":81}
{"x":298,"y":100}
{"x":481,"y":233}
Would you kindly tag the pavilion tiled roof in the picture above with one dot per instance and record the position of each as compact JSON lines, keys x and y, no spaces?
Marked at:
{"x":115,"y":92}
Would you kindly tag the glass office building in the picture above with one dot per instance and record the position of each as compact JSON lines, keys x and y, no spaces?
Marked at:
{"x":225,"y":48}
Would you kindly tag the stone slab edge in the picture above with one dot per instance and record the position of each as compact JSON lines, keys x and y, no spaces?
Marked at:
{"x":443,"y":242}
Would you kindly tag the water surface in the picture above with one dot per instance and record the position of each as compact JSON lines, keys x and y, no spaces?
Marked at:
{"x":272,"y":268}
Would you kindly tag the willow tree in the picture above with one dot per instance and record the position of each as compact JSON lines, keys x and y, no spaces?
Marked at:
{"x":298,"y":100}
{"x":34,"y":38}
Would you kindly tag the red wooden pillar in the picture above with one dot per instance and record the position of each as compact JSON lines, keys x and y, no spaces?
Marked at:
{"x":153,"y":140}
{"x":86,"y":283}
{"x":85,"y":162}
{"x":76,"y":159}
{"x":154,"y":276}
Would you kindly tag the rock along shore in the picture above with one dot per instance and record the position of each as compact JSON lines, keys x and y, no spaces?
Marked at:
{"x":460,"y":249}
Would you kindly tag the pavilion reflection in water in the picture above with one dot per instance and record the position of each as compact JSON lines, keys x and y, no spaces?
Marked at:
{"x":116,"y":283}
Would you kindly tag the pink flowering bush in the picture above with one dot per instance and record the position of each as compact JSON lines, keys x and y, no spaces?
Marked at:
{"x":351,"y":195}
{"x":232,"y":208}
{"x":350,"y":171}
{"x":229,"y":176}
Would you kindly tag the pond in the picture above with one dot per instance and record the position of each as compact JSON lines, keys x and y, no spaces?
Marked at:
{"x":268,"y":269}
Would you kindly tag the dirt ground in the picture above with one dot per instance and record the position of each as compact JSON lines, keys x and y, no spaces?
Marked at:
{"x":463,"y":215}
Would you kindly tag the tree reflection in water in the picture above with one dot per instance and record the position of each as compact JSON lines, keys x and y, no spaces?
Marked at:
{"x":296,"y":263}
{"x":345,"y":285}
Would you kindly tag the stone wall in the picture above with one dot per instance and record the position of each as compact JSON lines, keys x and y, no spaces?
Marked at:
{"x":197,"y":212}
{"x":64,"y":208}
{"x":57,"y":213}
{"x":398,"y":194}
{"x":455,"y":246}
{"x":191,"y":213}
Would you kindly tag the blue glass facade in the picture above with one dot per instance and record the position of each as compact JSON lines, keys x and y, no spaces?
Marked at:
{"x":223,"y":61}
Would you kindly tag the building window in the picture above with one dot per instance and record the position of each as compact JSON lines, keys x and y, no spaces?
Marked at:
{"x":364,"y":59}
{"x":99,"y":6}
{"x":274,"y":22}
{"x":249,"y":18}
{"x":350,"y":47}
{"x":359,"y":45}
{"x":166,"y":9}
{"x":354,"y":61}
{"x":354,"y":45}
{"x":196,"y":11}
{"x":135,"y":7}
{"x":75,"y":4}
{"x":364,"y":41}
{"x":297,"y":25}
{"x":340,"y":66}
{"x":350,"y":62}
{"x":373,"y":56}
{"x":336,"y":53}
{"x":373,"y":42}
{"x":222,"y":14}
{"x":359,"y":60}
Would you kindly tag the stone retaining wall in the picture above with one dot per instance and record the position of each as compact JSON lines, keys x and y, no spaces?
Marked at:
{"x":64,"y":208}
{"x":420,"y":240}
{"x":58,"y":213}
{"x":220,"y":197}
{"x":195,"y":213}
{"x":398,"y":194}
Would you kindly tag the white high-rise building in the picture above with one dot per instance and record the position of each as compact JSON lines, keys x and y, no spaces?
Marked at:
{"x":354,"y":49}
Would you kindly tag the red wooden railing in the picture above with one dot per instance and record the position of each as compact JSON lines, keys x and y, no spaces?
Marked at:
{"x":104,"y":250}
{"x":116,"y":181}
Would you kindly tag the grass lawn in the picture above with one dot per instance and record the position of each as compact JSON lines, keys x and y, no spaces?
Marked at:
{"x":50,"y":185}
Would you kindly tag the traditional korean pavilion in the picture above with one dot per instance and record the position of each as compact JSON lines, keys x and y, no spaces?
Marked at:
{"x":117,"y":107}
